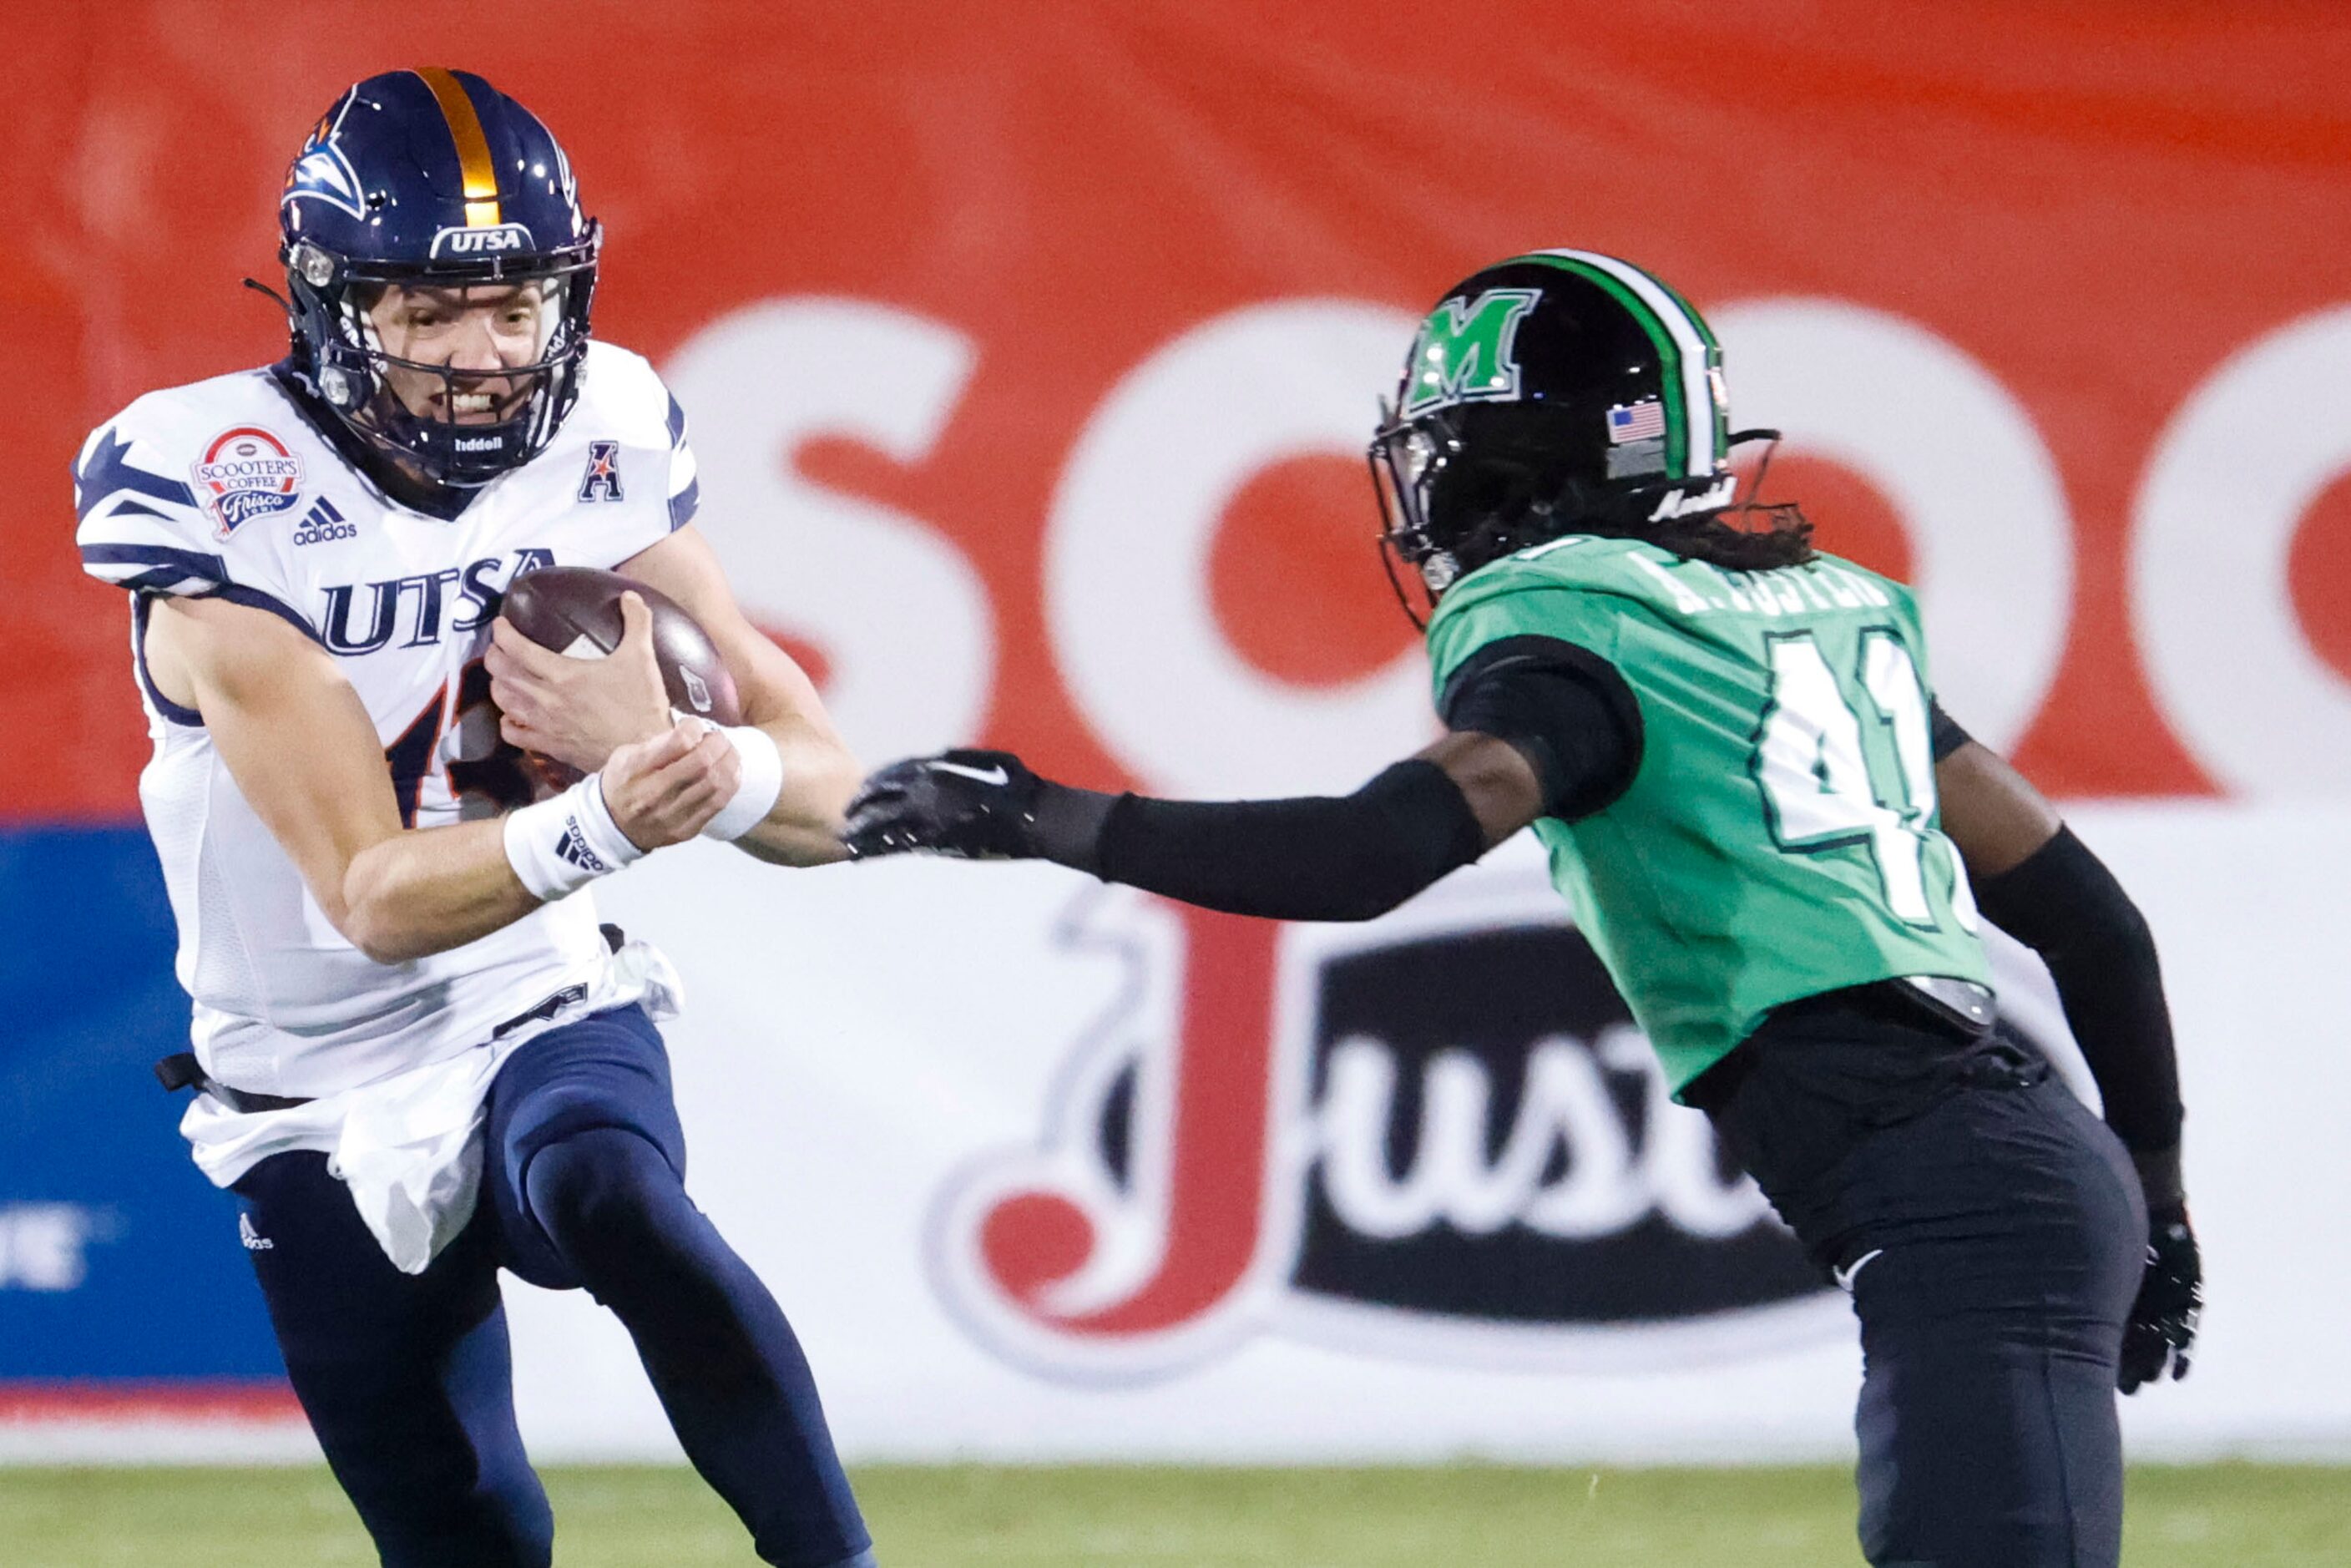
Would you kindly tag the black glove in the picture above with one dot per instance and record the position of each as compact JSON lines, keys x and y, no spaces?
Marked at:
{"x":2161,"y":1329}
{"x":977,"y":805}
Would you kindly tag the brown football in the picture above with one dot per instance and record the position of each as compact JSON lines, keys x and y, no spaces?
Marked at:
{"x":576,"y":611}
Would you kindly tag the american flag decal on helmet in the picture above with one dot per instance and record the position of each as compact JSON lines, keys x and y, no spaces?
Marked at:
{"x":1642,"y":420}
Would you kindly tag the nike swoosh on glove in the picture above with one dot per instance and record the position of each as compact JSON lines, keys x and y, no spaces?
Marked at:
{"x":2161,"y":1329}
{"x":976,"y":805}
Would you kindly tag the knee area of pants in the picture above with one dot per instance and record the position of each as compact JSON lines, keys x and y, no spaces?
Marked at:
{"x":604,"y":1180}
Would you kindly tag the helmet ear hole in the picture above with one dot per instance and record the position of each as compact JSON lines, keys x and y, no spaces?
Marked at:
{"x":1472,"y":492}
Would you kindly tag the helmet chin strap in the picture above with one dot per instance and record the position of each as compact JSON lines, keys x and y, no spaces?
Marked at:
{"x":1389,"y":551}
{"x":1762,"y":466}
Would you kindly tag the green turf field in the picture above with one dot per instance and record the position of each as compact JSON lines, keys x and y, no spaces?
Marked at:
{"x":2240,"y":1516}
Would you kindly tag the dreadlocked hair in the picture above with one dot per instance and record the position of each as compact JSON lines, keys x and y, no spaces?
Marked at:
{"x":1513,"y":494}
{"x":1782,"y":538}
{"x":1742,"y":537}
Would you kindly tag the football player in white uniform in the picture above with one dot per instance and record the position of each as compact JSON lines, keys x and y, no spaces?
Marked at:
{"x":419,"y":1057}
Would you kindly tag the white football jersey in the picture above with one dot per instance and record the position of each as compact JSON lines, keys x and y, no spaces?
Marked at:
{"x":226,"y":488}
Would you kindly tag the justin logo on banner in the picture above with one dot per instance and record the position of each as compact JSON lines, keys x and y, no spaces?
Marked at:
{"x":1437,"y":1136}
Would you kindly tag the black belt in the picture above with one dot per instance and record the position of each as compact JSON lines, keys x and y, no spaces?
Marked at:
{"x":1963,"y":1002}
{"x":181,"y":1070}
{"x":1960,"y":1011}
{"x":1961,"y":1008}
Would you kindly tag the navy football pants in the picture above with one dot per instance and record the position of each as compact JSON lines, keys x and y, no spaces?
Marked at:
{"x":407,"y":1380}
{"x":1994,"y":1244}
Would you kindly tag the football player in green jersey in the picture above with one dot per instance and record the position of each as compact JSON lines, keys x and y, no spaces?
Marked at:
{"x":1779,"y":844}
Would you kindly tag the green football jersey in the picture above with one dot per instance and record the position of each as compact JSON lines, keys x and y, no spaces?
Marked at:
{"x":1780,"y":838}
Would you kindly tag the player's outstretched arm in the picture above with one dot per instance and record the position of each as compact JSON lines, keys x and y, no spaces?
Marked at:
{"x":304,"y":753}
{"x":1348,"y":857}
{"x":821,"y":773}
{"x":2041,"y":884}
{"x":1537,"y":727}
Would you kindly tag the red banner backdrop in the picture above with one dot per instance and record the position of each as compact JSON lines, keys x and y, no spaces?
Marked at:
{"x":2096,"y":207}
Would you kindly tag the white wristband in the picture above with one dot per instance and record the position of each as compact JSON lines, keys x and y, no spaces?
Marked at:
{"x":763,"y":782}
{"x":560,"y":845}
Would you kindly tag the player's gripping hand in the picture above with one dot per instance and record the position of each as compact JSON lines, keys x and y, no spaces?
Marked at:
{"x":977,"y":805}
{"x":578,"y":710}
{"x":2161,"y":1329}
{"x":665,"y":790}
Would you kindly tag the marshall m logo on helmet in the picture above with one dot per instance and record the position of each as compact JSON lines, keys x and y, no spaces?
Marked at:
{"x":1438,"y":1135}
{"x":1466,"y":350}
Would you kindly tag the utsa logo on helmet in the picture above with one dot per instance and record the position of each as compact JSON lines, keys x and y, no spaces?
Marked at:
{"x":481,"y":241}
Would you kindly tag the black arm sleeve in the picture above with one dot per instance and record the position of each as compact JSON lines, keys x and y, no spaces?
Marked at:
{"x":1943,"y":731}
{"x":1564,"y":708}
{"x":1321,"y":858}
{"x":2064,"y":904}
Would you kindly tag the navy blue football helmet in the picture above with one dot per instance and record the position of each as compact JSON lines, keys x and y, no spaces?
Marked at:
{"x":434,"y":178}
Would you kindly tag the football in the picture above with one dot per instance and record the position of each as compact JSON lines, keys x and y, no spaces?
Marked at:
{"x":576,"y":611}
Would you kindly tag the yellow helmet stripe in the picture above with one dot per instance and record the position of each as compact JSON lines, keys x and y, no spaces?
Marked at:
{"x":480,"y":174}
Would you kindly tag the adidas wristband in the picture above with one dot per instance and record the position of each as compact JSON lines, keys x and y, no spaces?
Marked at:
{"x":763,"y":782}
{"x":560,"y":845}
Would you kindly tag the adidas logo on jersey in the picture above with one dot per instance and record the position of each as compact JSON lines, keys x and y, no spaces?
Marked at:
{"x":322,"y":524}
{"x":254,"y":1241}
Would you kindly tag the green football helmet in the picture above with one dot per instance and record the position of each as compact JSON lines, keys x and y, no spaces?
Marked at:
{"x":1556,"y":392}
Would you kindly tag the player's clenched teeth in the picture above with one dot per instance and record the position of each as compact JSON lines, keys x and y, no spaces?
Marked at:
{"x":472,"y":402}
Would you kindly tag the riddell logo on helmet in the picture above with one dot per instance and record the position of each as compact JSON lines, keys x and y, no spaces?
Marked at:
{"x":480,"y":242}
{"x":1683,"y":502}
{"x":1438,"y":1135}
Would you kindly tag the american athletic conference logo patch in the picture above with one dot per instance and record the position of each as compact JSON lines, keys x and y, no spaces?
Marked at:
{"x":246,"y":472}
{"x":600,"y":481}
